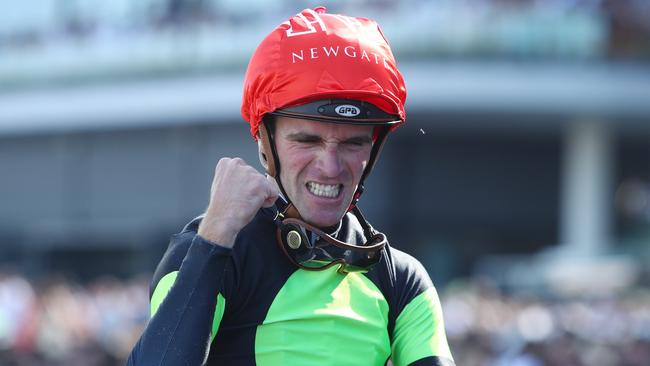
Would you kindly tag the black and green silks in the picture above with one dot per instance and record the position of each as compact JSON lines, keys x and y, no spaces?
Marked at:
{"x":250,"y":306}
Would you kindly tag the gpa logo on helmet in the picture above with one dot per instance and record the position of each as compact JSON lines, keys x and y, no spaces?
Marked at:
{"x":347,"y":110}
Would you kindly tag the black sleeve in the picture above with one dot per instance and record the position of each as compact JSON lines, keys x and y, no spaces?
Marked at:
{"x":433,"y":361}
{"x":418,"y":333}
{"x":179,"y":331}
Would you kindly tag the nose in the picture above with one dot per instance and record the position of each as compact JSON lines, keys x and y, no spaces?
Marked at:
{"x":329,"y":161}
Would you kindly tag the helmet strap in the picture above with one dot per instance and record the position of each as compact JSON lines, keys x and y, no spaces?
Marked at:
{"x":273,"y":163}
{"x":381,"y":133}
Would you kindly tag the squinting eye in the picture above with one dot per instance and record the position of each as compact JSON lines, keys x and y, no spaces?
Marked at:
{"x":309,"y":141}
{"x":355,"y":142}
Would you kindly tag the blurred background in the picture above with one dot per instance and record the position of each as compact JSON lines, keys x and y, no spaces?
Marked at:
{"x":521,"y":179}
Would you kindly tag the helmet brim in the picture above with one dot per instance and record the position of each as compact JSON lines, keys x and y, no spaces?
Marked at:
{"x":345,"y":111}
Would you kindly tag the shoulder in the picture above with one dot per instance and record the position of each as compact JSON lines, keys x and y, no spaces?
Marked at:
{"x":408,"y":271}
{"x":400,"y":277}
{"x":179,"y":244}
{"x":248,"y":246}
{"x":417,"y":332}
{"x":400,"y":269}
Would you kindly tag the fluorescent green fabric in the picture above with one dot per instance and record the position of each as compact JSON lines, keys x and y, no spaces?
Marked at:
{"x":325,"y":318}
{"x":162,"y":289}
{"x":420,"y":330}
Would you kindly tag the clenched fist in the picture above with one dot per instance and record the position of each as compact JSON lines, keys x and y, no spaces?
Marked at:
{"x":238,"y":191}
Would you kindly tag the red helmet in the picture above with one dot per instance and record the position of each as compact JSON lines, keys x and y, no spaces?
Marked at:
{"x":326,"y":67}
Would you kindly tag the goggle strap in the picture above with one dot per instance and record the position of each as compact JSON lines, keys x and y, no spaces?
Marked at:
{"x":368,"y":230}
{"x":379,"y":238}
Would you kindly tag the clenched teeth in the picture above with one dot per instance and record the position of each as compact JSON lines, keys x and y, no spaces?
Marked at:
{"x":324,"y":190}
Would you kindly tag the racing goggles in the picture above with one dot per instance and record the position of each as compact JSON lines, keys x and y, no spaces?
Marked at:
{"x":326,"y":251}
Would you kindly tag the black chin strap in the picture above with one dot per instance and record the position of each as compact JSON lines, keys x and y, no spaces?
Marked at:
{"x":374,"y":154}
{"x":270,"y":132}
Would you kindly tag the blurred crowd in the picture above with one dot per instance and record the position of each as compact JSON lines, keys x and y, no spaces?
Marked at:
{"x":487,"y":326}
{"x":540,"y":26}
{"x":81,"y":41}
{"x":57,"y":321}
